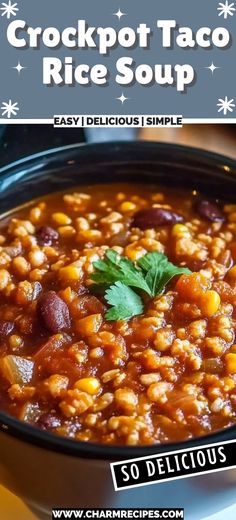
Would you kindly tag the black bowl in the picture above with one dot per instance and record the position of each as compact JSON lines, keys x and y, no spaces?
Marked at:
{"x":23,"y":446}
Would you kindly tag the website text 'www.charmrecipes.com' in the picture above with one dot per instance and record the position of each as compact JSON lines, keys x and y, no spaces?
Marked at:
{"x":157,"y":514}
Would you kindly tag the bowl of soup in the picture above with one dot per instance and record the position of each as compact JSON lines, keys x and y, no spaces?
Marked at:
{"x":117,"y":313}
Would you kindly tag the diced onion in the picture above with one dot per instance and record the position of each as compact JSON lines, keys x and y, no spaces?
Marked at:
{"x":16,"y":369}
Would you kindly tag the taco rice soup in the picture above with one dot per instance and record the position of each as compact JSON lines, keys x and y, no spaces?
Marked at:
{"x":117,"y":314}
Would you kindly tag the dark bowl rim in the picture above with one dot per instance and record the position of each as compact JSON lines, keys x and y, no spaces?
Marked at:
{"x":34,"y":436}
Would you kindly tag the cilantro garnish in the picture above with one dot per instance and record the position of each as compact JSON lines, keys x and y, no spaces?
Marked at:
{"x":117,"y":274}
{"x":159,"y":271}
{"x":119,"y":268}
{"x":125,"y":302}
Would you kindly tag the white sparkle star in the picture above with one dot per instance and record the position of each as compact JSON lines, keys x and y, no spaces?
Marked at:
{"x":212,"y":67}
{"x":19,"y":67}
{"x":9,"y":109}
{"x":9,"y":9}
{"x":119,"y":14}
{"x":226,"y":9}
{"x":226,"y":105}
{"x":122,"y":98}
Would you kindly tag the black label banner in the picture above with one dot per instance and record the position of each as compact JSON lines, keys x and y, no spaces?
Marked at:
{"x":174,"y":465}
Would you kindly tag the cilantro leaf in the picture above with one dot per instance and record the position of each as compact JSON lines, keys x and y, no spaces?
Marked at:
{"x":159,"y":271}
{"x":116,"y":268}
{"x":115,"y":275}
{"x":124,"y":301}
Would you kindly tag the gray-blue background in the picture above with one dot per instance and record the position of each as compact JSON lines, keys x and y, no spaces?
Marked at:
{"x":38,"y":101}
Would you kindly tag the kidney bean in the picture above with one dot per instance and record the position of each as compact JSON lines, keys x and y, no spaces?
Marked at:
{"x":210,"y":211}
{"x":5,"y":328}
{"x":46,"y":236}
{"x":153,"y":217}
{"x":47,"y":421}
{"x":53,"y":312}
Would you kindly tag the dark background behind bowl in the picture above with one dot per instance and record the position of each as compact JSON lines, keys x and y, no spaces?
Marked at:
{"x":17,"y":141}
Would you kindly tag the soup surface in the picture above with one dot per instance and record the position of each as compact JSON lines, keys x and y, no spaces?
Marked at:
{"x":117,"y":314}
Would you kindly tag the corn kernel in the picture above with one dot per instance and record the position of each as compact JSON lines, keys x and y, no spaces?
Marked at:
{"x":66,"y":231}
{"x":127,"y":206}
{"x":179,"y":229}
{"x":232,"y":272}
{"x":61,"y":219}
{"x":91,"y":385}
{"x":50,"y":252}
{"x":230,"y":363}
{"x":20,"y":266}
{"x":69,"y":273}
{"x":229,"y":384}
{"x":209,"y":303}
{"x":90,"y":235}
{"x":4,"y":279}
